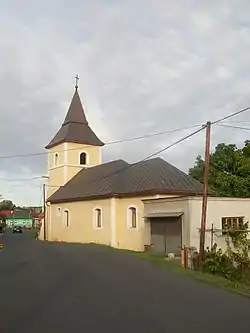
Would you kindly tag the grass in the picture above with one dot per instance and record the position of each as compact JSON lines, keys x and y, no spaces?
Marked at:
{"x":175,"y":267}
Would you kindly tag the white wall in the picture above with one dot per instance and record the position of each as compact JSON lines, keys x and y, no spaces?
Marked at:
{"x":191,"y":221}
{"x":171,"y":205}
{"x":216,"y":209}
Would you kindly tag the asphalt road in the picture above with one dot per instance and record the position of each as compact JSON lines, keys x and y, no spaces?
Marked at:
{"x":57,"y":288}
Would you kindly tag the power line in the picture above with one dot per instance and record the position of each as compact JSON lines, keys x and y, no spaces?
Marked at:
{"x":237,"y":127}
{"x":151,"y":155}
{"x":23,"y":185}
{"x":175,"y":143}
{"x":238,"y":121}
{"x":129,"y":139}
{"x":106,"y":144}
{"x":20,"y":179}
{"x":134,"y":139}
{"x":231,"y":115}
{"x":133,"y":164}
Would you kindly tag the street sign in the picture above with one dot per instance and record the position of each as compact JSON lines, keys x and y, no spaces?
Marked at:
{"x":19,"y":222}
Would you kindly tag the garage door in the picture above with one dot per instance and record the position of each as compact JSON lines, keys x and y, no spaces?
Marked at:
{"x":166,"y":235}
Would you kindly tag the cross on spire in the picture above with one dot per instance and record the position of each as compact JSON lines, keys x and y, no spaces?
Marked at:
{"x":77,"y":79}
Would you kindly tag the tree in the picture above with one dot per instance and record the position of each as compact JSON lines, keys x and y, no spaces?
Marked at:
{"x":229,"y":171}
{"x":6,"y":205}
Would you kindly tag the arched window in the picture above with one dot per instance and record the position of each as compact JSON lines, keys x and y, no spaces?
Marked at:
{"x":98,"y":218}
{"x":83,"y":158}
{"x":132,"y":217}
{"x":66,"y":217}
{"x":56,"y":159}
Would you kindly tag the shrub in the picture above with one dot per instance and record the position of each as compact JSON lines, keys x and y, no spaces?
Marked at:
{"x":234,"y":263}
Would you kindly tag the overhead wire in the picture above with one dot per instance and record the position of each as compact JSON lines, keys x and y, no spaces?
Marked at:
{"x":133,"y":139}
{"x":141,"y":160}
{"x":149,"y":156}
{"x":106,"y":144}
{"x":118,"y":141}
{"x":238,"y":121}
{"x":21,"y":179}
{"x":236,"y":127}
{"x":231,"y":115}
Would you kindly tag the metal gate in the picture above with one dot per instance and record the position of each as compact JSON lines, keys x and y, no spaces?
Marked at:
{"x":166,"y":234}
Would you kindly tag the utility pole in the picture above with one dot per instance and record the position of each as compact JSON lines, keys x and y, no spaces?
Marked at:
{"x":204,"y":199}
{"x":44,"y":212}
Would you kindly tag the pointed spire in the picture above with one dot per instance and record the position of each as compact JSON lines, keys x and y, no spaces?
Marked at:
{"x":76,"y":112}
{"x":75,"y":127}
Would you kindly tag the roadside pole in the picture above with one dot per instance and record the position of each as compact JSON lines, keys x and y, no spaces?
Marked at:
{"x":204,"y":199}
{"x":44,"y":212}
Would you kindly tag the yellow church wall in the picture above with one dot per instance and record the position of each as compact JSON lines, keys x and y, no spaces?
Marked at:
{"x":67,"y":164}
{"x":81,"y":227}
{"x":51,"y":156}
{"x":55,"y":180}
{"x":75,"y":149}
{"x":55,"y":170}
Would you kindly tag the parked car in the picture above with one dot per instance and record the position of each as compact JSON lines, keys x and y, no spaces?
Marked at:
{"x":17,"y":230}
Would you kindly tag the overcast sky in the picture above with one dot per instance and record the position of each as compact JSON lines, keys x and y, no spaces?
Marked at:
{"x":145,"y":66}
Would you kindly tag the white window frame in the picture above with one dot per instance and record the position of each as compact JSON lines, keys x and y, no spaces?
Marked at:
{"x":87,"y":158}
{"x":95,"y":218}
{"x":56,"y":158}
{"x":129,"y":217}
{"x":58,"y":211}
{"x":64,"y":218}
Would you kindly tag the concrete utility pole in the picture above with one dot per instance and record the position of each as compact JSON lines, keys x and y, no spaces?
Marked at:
{"x":44,"y":212}
{"x":204,"y":199}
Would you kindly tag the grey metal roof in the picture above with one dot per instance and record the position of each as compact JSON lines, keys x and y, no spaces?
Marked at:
{"x":118,"y":178}
{"x":75,"y":127}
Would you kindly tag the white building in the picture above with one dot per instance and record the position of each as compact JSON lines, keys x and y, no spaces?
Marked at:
{"x":175,"y":222}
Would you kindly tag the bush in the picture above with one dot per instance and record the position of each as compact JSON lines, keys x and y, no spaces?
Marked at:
{"x":234,"y":263}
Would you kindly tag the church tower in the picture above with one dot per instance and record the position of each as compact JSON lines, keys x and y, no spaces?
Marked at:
{"x":74,"y":147}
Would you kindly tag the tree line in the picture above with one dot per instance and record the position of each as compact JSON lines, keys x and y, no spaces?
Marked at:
{"x":229,"y":170}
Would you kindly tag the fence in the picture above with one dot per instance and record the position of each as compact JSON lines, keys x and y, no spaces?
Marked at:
{"x":231,"y":262}
{"x":220,"y":236}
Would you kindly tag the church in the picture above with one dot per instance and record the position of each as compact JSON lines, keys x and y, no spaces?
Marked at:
{"x":88,"y":201}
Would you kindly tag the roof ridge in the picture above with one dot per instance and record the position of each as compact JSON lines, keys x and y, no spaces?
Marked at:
{"x":149,"y":160}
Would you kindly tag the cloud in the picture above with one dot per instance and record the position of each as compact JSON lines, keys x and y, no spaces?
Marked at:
{"x":145,"y":66}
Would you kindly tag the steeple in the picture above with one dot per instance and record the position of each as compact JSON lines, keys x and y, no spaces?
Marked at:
{"x":75,"y":127}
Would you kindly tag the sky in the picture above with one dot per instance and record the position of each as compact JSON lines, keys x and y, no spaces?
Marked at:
{"x":145,"y":66}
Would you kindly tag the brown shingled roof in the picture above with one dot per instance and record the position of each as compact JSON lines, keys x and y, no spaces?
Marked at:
{"x":75,"y":127}
{"x":120,"y":179}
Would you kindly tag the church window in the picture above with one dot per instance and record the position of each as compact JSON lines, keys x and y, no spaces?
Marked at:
{"x":66,"y":217}
{"x":83,"y":158}
{"x":98,"y":218}
{"x":132,"y":217}
{"x":56,"y":159}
